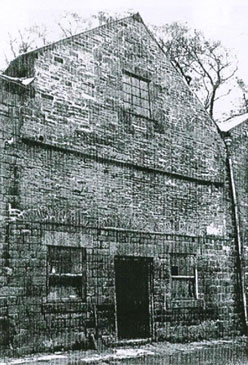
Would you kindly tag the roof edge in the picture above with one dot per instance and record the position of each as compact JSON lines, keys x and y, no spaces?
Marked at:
{"x":233,"y":122}
{"x":135,"y":16}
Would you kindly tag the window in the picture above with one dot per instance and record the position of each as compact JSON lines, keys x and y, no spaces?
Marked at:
{"x":184,"y":276}
{"x":136,"y":94}
{"x":66,"y":272}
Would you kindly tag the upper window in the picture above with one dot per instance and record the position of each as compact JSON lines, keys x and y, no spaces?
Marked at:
{"x":184,"y":276}
{"x":136,"y":94}
{"x":66,"y":272}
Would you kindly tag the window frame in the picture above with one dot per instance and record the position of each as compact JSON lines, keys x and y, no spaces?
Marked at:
{"x":190,"y":278}
{"x":62,"y":278}
{"x":138,"y":95}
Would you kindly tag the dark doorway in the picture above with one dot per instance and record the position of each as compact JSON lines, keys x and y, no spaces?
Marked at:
{"x":132,"y":296}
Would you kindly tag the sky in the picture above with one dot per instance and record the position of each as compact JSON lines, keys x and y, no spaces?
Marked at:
{"x":224,"y":20}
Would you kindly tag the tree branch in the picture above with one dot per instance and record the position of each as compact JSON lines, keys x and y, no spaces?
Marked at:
{"x":235,"y":115}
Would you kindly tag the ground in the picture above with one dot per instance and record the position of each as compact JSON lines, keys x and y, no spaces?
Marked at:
{"x":220,"y":352}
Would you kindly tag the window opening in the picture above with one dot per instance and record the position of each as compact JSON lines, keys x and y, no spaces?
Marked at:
{"x":136,"y":94}
{"x":66,"y":272}
{"x":184,"y":276}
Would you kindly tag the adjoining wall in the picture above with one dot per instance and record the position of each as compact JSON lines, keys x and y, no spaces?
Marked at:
{"x":12,"y":97}
{"x":92,"y":176}
{"x":239,"y":153}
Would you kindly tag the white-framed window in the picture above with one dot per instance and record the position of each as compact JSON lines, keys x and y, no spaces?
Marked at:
{"x":136,"y":94}
{"x":184,"y":278}
{"x":66,"y":271}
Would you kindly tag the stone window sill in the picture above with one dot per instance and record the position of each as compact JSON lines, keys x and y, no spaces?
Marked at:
{"x":185,"y":303}
{"x":66,"y":306}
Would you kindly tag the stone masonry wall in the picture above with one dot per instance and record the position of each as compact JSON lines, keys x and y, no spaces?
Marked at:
{"x":90,"y":172}
{"x":79,"y":86}
{"x":12,"y":97}
{"x":239,"y":154}
{"x":39,"y":324}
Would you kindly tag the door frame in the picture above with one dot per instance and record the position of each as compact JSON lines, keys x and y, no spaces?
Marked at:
{"x":149,"y":261}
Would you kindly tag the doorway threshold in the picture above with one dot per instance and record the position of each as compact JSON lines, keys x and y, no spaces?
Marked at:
{"x":131,"y":342}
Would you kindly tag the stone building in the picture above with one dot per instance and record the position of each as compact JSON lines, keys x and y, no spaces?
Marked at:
{"x":116,"y":210}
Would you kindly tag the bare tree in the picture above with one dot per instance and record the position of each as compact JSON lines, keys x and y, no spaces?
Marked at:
{"x":205,"y":64}
{"x":240,"y":105}
{"x":72,"y":23}
{"x":25,"y":40}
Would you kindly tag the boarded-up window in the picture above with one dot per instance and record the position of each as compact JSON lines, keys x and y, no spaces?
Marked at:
{"x":184,"y":276}
{"x":66,"y":272}
{"x":136,"y":94}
